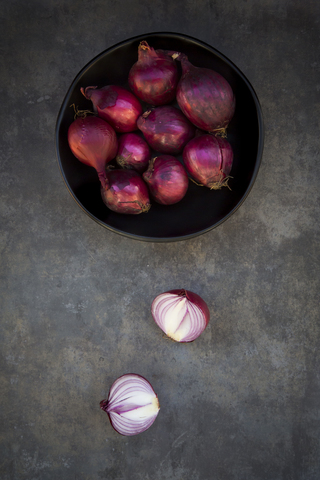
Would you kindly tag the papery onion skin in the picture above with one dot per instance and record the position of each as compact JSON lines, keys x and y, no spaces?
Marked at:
{"x":125,"y":192}
{"x":205,"y":97}
{"x":208,"y":159}
{"x":162,"y":306}
{"x":167,"y":179}
{"x":94,"y":142}
{"x":166,"y":129}
{"x":154,"y":77}
{"x":133,"y":152}
{"x":123,"y":400}
{"x":116,"y":105}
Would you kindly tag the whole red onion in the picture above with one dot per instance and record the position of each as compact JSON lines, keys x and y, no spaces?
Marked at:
{"x":133,"y":152}
{"x":125,"y":192}
{"x":154,"y":77}
{"x":208,"y":159}
{"x":94,"y":142}
{"x":166,"y":129}
{"x":167,"y":179}
{"x":205,"y":97}
{"x":116,"y":105}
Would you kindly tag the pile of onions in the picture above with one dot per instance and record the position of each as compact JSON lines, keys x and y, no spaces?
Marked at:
{"x":116,"y":105}
{"x":166,"y":129}
{"x":94,"y":142}
{"x":205,"y":97}
{"x":195,"y":128}
{"x":154,"y":77}
{"x":208,"y":159}
{"x":133,"y":152}
{"x":125,"y":192}
{"x":182,"y":315}
{"x":167,"y":179}
{"x":132,"y":404}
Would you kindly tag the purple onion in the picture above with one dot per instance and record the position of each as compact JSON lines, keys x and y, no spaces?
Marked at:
{"x":182,"y":315}
{"x":167,"y":179}
{"x":116,"y":105}
{"x":205,"y":97}
{"x":133,"y":152}
{"x":154,"y":77}
{"x":166,"y":129}
{"x":125,"y":192}
{"x":132,"y":404}
{"x":208,"y":159}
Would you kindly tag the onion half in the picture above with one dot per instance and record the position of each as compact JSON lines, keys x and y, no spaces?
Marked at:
{"x":182,"y":315}
{"x":132,"y":404}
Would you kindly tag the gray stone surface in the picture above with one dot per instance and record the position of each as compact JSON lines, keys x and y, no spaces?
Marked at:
{"x":240,"y":403}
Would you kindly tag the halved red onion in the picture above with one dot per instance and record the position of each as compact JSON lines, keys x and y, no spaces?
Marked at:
{"x":116,"y":105}
{"x":182,"y":315}
{"x":133,"y":152}
{"x":166,"y":129}
{"x":132,"y":404}
{"x":125,"y":192}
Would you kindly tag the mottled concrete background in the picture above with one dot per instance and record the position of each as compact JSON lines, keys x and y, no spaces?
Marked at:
{"x":240,"y":403}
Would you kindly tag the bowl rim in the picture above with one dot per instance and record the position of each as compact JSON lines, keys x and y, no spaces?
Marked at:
{"x":257,"y":165}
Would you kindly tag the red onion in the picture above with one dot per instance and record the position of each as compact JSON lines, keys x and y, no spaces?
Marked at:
{"x":208,"y":159}
{"x":205,"y":97}
{"x":125,"y":192}
{"x":133,"y":152}
{"x":167,"y":179}
{"x":116,"y":105}
{"x":181,"y":314}
{"x":132,"y":404}
{"x":154,"y":77}
{"x":94,"y":142}
{"x":166,"y":129}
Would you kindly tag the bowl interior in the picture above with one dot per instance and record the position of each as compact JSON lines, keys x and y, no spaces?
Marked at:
{"x":201,"y":209}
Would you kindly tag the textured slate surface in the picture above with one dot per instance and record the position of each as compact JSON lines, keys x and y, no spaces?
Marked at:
{"x":240,"y":403}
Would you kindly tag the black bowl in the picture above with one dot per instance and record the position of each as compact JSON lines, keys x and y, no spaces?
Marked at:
{"x":201,"y":209}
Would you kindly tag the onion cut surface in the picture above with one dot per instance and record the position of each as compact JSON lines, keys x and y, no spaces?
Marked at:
{"x":132,"y":404}
{"x":182,"y":315}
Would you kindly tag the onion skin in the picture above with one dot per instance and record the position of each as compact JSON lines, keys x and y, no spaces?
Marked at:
{"x":133,"y":152}
{"x":167,"y":179}
{"x":154,"y":77}
{"x":170,"y":299}
{"x":116,"y":105}
{"x":205,"y":97}
{"x":94,"y":142}
{"x":132,"y":405}
{"x":125,"y":192}
{"x":208,"y":160}
{"x":166,"y":129}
